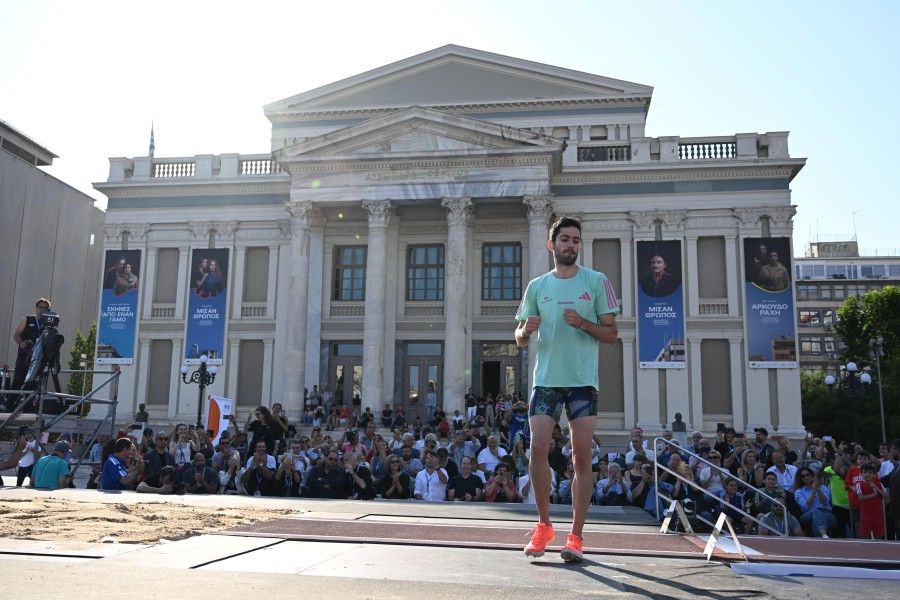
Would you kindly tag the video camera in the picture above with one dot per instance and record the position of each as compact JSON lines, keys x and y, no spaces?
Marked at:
{"x":46,"y":348}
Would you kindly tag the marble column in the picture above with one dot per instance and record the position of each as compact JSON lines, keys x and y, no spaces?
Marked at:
{"x":539,"y":210}
{"x":375,"y":309}
{"x":295,"y":348}
{"x":732,"y":268}
{"x":459,"y":218}
{"x":693,"y":276}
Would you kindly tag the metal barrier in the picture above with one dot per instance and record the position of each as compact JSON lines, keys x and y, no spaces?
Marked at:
{"x":693,"y":484}
{"x":40,"y":395}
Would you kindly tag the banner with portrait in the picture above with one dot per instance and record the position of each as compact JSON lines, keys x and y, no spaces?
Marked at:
{"x":660,"y":305}
{"x":117,"y":324}
{"x":769,"y":296}
{"x":207,"y":306}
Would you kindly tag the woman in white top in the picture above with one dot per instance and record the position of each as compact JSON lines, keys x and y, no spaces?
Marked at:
{"x":26,"y":463}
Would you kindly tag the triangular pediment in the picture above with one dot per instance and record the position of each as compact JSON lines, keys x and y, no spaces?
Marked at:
{"x":422,"y":132}
{"x":454,"y":75}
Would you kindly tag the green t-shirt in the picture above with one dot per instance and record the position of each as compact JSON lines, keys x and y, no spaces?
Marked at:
{"x":838,"y":491}
{"x":48,"y":470}
{"x":567,"y":357}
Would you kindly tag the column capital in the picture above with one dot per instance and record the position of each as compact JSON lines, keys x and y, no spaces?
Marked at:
{"x":459,"y":211}
{"x":539,"y":208}
{"x":380,"y":212}
{"x":645,"y":221}
{"x":778,"y":215}
{"x":301,"y":212}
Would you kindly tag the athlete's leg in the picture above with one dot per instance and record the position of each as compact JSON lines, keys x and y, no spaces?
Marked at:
{"x":582,"y":429}
{"x":539,"y":464}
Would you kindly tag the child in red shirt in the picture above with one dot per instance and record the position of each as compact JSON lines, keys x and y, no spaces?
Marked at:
{"x":871,"y":506}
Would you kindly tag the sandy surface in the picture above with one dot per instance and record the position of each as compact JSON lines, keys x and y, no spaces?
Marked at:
{"x":58,"y":519}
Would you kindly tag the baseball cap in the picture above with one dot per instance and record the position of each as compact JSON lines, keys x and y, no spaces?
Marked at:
{"x":62,"y":446}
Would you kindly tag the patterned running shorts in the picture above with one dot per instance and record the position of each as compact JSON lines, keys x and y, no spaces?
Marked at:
{"x":579,"y":402}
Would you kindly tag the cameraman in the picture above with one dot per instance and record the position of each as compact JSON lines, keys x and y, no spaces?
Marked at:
{"x":26,"y":334}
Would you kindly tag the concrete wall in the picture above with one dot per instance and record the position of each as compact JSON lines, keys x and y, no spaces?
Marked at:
{"x":45,"y":232}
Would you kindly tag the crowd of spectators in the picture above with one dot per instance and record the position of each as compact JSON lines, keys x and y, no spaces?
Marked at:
{"x":824,"y":488}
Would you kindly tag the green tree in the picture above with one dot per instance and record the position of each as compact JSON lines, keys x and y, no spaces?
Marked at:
{"x":82,"y":383}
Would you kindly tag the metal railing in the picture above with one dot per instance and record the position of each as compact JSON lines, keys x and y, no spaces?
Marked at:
{"x":726,"y":476}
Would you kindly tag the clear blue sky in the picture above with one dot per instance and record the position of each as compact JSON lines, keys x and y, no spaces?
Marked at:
{"x":85,"y":79}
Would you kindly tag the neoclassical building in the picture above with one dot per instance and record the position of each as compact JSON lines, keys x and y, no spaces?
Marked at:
{"x":385,"y":242}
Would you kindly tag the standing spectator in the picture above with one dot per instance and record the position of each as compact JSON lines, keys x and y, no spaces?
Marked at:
{"x":466,"y":487}
{"x":26,"y":333}
{"x":501,"y":487}
{"x":325,"y":397}
{"x":395,"y":484}
{"x":814,"y":501}
{"x":853,"y":480}
{"x":328,"y":480}
{"x":52,"y":471}
{"x":262,"y":426}
{"x":430,"y":403}
{"x":871,"y":505}
{"x":121,"y":470}
{"x":763,"y":448}
{"x":141,"y":416}
{"x":258,"y":477}
{"x":13,"y":460}
{"x":198,"y":478}
{"x":29,"y":456}
{"x":284,"y":425}
{"x":183,"y":446}
{"x":840,"y":500}
{"x":431,"y":482}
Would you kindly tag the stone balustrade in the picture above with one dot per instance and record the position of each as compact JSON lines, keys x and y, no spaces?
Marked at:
{"x":202,"y":166}
{"x":742,"y":146}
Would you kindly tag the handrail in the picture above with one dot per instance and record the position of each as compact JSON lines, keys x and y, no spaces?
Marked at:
{"x":657,"y":465}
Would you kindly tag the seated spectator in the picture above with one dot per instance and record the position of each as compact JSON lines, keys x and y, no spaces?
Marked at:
{"x":198,"y":478}
{"x":386,"y":416}
{"x":565,"y":485}
{"x":352,"y":444}
{"x":526,"y":491}
{"x":712,"y":479}
{"x":679,"y":466}
{"x":289,"y":478}
{"x":224,"y":451}
{"x":814,"y":502}
{"x":872,"y":496}
{"x":654,"y":498}
{"x":378,"y":458}
{"x":411,"y":464}
{"x":368,"y":436}
{"x":612,"y":490}
{"x":396,"y":441}
{"x":230,"y":478}
{"x":399,"y":420}
{"x":159,"y":456}
{"x":122,"y":470}
{"x":395,"y":483}
{"x":638,"y":448}
{"x":702,"y":451}
{"x":464,"y":444}
{"x":409,"y":441}
{"x":773,"y":522}
{"x":729,"y":500}
{"x":760,"y":503}
{"x":329,"y":480}
{"x":445,"y":463}
{"x":299,"y":457}
{"x":519,"y":457}
{"x":634,"y":474}
{"x":431,"y":482}
{"x":749,"y":470}
{"x":783,"y":446}
{"x":458,"y":421}
{"x":740,"y":447}
{"x":489,"y":457}
{"x":360,"y":478}
{"x":502,"y":486}
{"x":258,"y":477}
{"x":163,"y":482}
{"x":182,"y":446}
{"x":146,"y":444}
{"x":465,"y":487}
{"x":51,"y":472}
{"x":787,"y":477}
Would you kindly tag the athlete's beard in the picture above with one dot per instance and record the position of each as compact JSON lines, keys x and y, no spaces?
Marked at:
{"x":567,"y":260}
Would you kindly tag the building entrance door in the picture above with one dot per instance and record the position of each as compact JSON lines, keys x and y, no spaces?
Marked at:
{"x":500,"y":364}
{"x":422,"y":368}
{"x":345,"y":373}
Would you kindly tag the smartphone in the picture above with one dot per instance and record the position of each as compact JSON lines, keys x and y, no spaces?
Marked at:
{"x":827,"y":438}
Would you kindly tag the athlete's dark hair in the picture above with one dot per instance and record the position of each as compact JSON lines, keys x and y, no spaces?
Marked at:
{"x":563,"y":222}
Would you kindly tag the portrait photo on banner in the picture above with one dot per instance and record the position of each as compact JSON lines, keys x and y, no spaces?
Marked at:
{"x":660,"y":305}
{"x":207,"y":305}
{"x":769,"y":296}
{"x":117,"y":323}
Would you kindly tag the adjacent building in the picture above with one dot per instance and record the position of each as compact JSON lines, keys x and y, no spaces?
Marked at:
{"x":384,"y":243}
{"x":51,"y":236}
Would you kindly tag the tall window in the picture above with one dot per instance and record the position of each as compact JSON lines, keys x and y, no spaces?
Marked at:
{"x":425,"y":273}
{"x":501,"y":271}
{"x":349,"y":273}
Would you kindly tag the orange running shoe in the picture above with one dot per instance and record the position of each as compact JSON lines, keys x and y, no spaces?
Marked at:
{"x":542,"y":535}
{"x":573,"y":550}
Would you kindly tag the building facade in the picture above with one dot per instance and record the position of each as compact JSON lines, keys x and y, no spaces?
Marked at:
{"x":385,"y":243}
{"x":51,"y":235}
{"x":830,"y":273}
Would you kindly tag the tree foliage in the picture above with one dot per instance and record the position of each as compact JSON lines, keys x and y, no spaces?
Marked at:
{"x":82,"y":344}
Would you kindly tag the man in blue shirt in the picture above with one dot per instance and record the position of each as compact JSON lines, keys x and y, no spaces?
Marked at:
{"x":122,"y":470}
{"x":52,"y":471}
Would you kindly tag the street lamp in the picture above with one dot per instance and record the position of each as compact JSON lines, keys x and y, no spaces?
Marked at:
{"x":876,"y":346}
{"x":854,"y":385}
{"x":203,"y":376}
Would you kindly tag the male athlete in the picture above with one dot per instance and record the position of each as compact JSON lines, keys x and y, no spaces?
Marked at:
{"x":571,"y":308}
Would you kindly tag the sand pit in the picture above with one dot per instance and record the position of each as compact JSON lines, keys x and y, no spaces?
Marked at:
{"x":58,"y":519}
